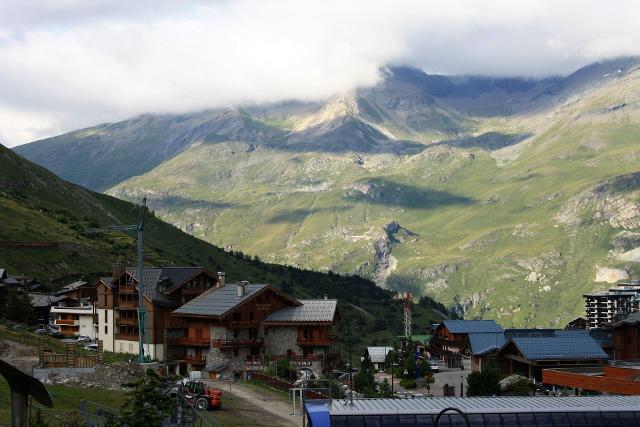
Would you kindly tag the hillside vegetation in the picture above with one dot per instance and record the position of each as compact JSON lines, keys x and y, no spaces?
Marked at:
{"x":502,"y":198}
{"x":36,"y":206}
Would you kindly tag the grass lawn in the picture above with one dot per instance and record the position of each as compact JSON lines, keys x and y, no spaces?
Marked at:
{"x":66,"y":399}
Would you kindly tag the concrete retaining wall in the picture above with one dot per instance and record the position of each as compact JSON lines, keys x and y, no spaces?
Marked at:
{"x":44,"y":373}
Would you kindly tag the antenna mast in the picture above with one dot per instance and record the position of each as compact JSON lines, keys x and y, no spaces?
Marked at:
{"x":408,"y":307}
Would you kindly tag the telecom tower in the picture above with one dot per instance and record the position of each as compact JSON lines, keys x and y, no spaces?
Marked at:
{"x":408,"y":308}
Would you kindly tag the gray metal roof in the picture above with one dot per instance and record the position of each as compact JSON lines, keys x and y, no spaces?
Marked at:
{"x":567,"y":347}
{"x":484,"y":342}
{"x":379,"y":354}
{"x":44,"y":300}
{"x":470,"y":326}
{"x":632,"y":319}
{"x":311,"y":310}
{"x":152,"y":277}
{"x":218,"y":301}
{"x":107,"y":280}
{"x":476,"y":405}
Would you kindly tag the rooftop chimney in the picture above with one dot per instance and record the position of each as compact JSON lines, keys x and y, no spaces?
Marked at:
{"x":241,"y":289}
{"x":326,"y":296}
{"x":221,"y":276}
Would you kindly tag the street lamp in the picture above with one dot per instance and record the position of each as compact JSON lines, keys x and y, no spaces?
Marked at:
{"x":461,"y":383}
{"x":393,"y":367}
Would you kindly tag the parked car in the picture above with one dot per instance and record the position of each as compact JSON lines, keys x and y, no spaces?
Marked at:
{"x":434,"y":365}
{"x":40,"y":331}
{"x":83,"y":338}
{"x":92,"y":346}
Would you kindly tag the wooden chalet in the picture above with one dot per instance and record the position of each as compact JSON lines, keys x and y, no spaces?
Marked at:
{"x":449,"y":336}
{"x":79,"y":290}
{"x":164,"y":290}
{"x":626,"y":338}
{"x":481,"y":348}
{"x":232,"y":329}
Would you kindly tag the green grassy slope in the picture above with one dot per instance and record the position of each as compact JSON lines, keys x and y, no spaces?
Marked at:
{"x":35,"y":205}
{"x":506,"y":222}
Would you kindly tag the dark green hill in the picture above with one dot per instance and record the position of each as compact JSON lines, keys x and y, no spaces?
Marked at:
{"x":37,"y":206}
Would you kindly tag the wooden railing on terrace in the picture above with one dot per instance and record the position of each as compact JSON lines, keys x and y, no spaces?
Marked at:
{"x":238,"y":342}
{"x":68,"y":357}
{"x":130,"y":321}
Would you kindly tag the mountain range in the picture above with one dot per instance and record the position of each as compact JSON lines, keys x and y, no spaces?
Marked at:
{"x":501,"y":197}
{"x":59,"y":232}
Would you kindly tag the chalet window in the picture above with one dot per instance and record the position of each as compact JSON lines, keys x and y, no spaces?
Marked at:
{"x":253,"y":334}
{"x":237,"y":317}
{"x":106,"y":329}
{"x":236,"y":352}
{"x":251,"y":315}
{"x":235,"y":333}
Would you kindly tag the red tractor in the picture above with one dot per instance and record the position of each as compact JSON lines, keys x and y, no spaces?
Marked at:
{"x":204,"y":398}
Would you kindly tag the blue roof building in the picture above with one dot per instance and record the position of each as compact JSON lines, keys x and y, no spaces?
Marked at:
{"x":527,"y":356}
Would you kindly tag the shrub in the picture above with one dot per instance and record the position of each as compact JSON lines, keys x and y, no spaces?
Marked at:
{"x":408,"y":383}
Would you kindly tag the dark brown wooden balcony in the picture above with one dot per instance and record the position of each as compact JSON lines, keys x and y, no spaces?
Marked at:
{"x":127,"y":304}
{"x":195,"y":342}
{"x":195,"y":360}
{"x":127,"y":337}
{"x":238,"y":342}
{"x":129,"y":321}
{"x":317,"y":341}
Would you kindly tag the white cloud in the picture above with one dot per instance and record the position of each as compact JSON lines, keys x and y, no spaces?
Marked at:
{"x":71,"y":63}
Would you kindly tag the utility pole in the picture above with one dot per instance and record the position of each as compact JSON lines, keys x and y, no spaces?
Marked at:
{"x":349,"y":365}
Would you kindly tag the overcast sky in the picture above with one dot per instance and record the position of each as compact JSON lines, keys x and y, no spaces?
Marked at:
{"x":67,"y":64}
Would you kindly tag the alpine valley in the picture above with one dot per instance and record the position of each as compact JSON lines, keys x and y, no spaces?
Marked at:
{"x":504,"y":198}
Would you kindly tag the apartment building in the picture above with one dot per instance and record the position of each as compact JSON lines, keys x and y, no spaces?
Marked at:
{"x":75,"y":319}
{"x":164,"y":289}
{"x":604,"y":308}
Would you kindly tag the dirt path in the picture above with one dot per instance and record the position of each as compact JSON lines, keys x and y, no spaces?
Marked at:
{"x":264,"y":410}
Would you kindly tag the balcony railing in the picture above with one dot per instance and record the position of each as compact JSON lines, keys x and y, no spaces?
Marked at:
{"x":69,"y":322}
{"x":195,"y":360}
{"x":317,"y":341}
{"x":130,"y":321}
{"x":244,"y":323}
{"x":127,"y":337}
{"x":127,"y":304}
{"x":204,"y":342}
{"x":238,"y":342}
{"x":298,"y":358}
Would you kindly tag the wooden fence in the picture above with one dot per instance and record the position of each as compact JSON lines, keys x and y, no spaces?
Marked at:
{"x":68,"y":357}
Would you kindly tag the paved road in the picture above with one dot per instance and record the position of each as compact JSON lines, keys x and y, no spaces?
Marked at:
{"x":265,"y":410}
